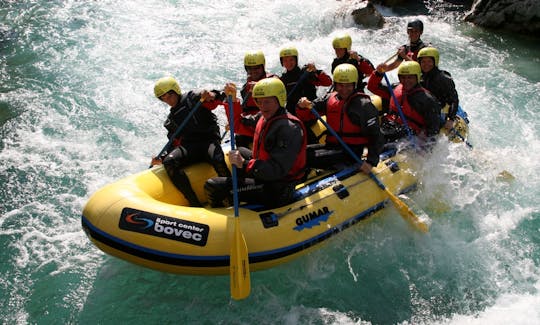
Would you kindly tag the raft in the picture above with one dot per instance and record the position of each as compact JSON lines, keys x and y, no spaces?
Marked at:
{"x":145,"y":220}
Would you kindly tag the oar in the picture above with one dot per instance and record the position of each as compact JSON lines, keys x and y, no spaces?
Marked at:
{"x":390,"y":58}
{"x":239,"y":267}
{"x":180,"y":128}
{"x":404,"y":210}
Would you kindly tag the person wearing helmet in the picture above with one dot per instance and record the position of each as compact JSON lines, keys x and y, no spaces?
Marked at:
{"x":342,"y":47}
{"x":300,"y":82}
{"x":408,"y":52}
{"x":254,"y":64}
{"x":354,"y":118}
{"x":269,"y":173}
{"x":198,"y":141}
{"x":440,"y":84}
{"x":418,"y":105}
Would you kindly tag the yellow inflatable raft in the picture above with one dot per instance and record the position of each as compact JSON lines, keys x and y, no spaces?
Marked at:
{"x":143,"y":218}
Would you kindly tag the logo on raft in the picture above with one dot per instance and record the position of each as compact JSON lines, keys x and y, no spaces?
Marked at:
{"x":312,"y":219}
{"x":165,"y":227}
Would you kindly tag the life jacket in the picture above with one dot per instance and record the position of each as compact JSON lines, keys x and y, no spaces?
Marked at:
{"x":412,"y":51}
{"x":260,"y":153}
{"x":415,"y":121}
{"x":339,"y":121}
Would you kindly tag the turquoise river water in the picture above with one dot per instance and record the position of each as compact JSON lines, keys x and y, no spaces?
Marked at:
{"x":77,"y":112}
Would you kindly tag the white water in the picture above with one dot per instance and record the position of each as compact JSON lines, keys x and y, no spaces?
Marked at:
{"x":77,"y":83}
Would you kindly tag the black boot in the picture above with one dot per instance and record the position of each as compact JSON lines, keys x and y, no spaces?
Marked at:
{"x":217,"y":160}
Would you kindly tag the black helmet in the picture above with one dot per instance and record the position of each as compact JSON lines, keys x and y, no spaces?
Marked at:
{"x":416,"y":24}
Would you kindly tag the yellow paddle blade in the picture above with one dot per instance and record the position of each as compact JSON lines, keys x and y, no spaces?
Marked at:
{"x":421,"y":224}
{"x":505,"y":176}
{"x":239,"y":268}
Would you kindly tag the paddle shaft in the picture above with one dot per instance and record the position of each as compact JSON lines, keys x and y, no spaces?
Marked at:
{"x":180,"y":128}
{"x":400,"y":111}
{"x":233,"y":147}
{"x":390,"y":58}
{"x":403,"y":209}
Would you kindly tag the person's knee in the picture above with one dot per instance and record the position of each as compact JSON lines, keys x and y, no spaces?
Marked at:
{"x":175,"y":159}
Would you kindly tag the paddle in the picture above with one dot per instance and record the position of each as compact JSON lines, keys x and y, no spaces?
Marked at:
{"x":239,"y":264}
{"x":180,"y":128}
{"x":404,"y":210}
{"x":390,"y":58}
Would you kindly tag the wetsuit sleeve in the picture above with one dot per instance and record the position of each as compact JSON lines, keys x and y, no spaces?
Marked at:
{"x":374,"y":85}
{"x":283,"y":142}
{"x":366,"y":67}
{"x":450,"y":95}
{"x":364,"y":114}
{"x":195,"y":95}
{"x":321,"y":79}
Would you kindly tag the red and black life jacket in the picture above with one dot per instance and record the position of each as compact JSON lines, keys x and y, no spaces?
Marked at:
{"x":260,"y":153}
{"x":415,"y":121}
{"x":339,"y":121}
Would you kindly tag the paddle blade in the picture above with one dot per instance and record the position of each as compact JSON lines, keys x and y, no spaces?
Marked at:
{"x":420,"y":223}
{"x":239,"y":268}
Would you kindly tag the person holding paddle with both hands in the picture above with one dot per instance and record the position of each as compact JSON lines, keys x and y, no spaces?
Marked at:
{"x":268,"y":174}
{"x":352,"y":115}
{"x":193,"y":134}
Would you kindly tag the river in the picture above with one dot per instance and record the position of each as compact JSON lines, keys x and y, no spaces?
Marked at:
{"x":77,"y":112}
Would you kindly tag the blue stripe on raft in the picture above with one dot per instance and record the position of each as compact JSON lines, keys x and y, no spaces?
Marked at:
{"x":218,"y":260}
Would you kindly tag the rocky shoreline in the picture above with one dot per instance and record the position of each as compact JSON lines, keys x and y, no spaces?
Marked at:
{"x":520,"y":16}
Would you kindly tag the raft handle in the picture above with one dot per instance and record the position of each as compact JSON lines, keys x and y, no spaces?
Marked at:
{"x":269,"y":219}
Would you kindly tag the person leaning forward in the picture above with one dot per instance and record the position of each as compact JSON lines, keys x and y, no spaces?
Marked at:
{"x":198,"y":141}
{"x":352,"y":116}
{"x":268,"y":174}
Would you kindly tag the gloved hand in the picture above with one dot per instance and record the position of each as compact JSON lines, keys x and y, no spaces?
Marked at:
{"x":304,"y":103}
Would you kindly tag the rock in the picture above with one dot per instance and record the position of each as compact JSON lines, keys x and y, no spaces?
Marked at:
{"x":391,"y":3}
{"x":368,"y":16}
{"x":516,"y":15}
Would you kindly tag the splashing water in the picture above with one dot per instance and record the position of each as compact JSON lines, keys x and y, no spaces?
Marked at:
{"x":77,"y":112}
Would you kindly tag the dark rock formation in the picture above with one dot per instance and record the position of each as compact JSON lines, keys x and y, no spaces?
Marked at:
{"x":516,"y":15}
{"x":368,"y":16}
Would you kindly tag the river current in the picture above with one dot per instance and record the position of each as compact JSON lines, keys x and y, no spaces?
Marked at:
{"x":77,"y":112}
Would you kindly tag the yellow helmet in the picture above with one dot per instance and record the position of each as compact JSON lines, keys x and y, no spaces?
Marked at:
{"x":410,"y":68}
{"x":342,"y":41}
{"x":254,"y":58}
{"x":288,"y":51}
{"x":166,"y":84}
{"x":271,"y":87}
{"x":429,"y":52}
{"x":346,"y":73}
